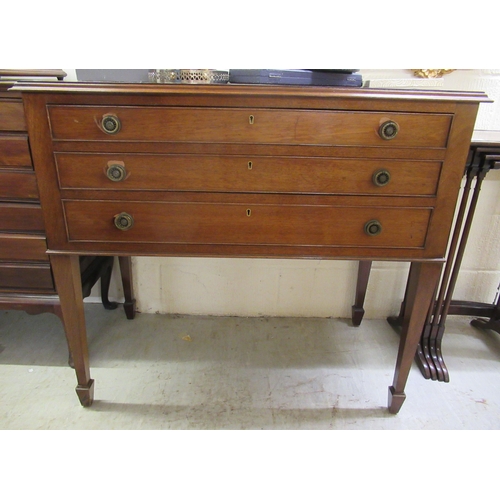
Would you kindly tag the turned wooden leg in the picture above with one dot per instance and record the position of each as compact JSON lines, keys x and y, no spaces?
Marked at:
{"x":362,"y":284}
{"x":128,"y":286}
{"x":66,"y":270}
{"x":422,"y":284}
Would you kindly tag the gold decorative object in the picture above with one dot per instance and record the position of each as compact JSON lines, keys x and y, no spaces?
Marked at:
{"x":188,"y":76}
{"x":431,"y":73}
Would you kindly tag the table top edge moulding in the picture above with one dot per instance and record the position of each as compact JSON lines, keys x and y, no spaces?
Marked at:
{"x":251,"y":89}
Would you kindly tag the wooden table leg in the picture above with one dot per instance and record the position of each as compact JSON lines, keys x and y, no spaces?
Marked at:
{"x":493,"y":323}
{"x":362,"y":284}
{"x":66,"y":269}
{"x":128,"y":287}
{"x":423,"y":280}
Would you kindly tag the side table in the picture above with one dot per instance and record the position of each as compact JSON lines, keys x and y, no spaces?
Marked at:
{"x":484,"y":155}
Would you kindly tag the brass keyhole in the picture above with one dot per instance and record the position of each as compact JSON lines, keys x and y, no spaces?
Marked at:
{"x":249,"y":212}
{"x":250,"y":165}
{"x":251,"y":119}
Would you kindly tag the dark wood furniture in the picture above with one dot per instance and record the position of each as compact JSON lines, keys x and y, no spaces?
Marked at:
{"x":26,"y":281}
{"x":254,"y":171}
{"x":484,"y":155}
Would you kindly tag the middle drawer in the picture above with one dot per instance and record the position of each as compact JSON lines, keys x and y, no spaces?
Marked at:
{"x":247,"y":174}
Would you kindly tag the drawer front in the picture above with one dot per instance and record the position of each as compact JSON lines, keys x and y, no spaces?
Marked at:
{"x":16,"y":247}
{"x":249,"y":126}
{"x":14,"y":151}
{"x":242,"y":224}
{"x":247,"y":174}
{"x":36,"y":277}
{"x":20,"y":185}
{"x":12,"y":115}
{"x":21,"y":217}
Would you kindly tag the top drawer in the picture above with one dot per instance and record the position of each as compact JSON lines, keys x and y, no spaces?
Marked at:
{"x":248,"y":126}
{"x":12,"y":115}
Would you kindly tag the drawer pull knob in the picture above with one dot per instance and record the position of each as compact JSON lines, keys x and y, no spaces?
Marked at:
{"x":111,"y":124}
{"x":388,"y":130}
{"x":381,"y":178}
{"x":373,"y":228}
{"x":124,"y":221}
{"x":116,"y":173}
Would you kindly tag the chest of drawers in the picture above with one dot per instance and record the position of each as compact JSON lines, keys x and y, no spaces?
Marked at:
{"x":24,"y":264}
{"x":250,"y":171}
{"x":26,"y":279}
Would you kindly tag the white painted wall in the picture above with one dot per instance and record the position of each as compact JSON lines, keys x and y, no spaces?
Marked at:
{"x":272,"y":287}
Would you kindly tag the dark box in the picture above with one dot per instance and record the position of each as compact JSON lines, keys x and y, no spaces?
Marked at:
{"x":342,"y":78}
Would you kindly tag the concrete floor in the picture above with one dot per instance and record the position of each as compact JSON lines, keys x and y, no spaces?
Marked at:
{"x":190,"y":372}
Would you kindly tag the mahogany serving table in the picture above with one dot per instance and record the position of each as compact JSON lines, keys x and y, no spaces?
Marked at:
{"x":248,"y":171}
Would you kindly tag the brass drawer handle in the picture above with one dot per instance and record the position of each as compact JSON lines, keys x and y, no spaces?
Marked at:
{"x":116,"y":172}
{"x":111,"y":124}
{"x":373,"y":228}
{"x":124,"y":221}
{"x":381,"y":178}
{"x":388,"y":130}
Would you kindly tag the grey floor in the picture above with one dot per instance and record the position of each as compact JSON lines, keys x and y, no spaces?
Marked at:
{"x":187,"y":372}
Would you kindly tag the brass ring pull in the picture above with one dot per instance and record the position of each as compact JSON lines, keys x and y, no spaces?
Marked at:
{"x":111,"y":124}
{"x":124,"y":221}
{"x":381,"y":177}
{"x":116,"y":172}
{"x":373,"y":228}
{"x":388,"y":130}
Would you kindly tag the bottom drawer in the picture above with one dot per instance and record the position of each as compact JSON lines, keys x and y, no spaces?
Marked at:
{"x":34,"y":277}
{"x":247,"y":224}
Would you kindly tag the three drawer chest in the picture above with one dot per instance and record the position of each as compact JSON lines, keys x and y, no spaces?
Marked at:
{"x":248,"y":171}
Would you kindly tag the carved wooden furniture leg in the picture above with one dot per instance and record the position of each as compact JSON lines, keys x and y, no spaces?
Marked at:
{"x":361,"y":286}
{"x":493,"y":323}
{"x":422,"y":355}
{"x":423,"y":280}
{"x":128,"y":287}
{"x":67,"y":278}
{"x":436,"y":338}
{"x":429,"y":353}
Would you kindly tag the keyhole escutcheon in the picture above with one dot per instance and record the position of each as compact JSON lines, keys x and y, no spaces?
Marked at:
{"x":249,"y":212}
{"x":251,"y":119}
